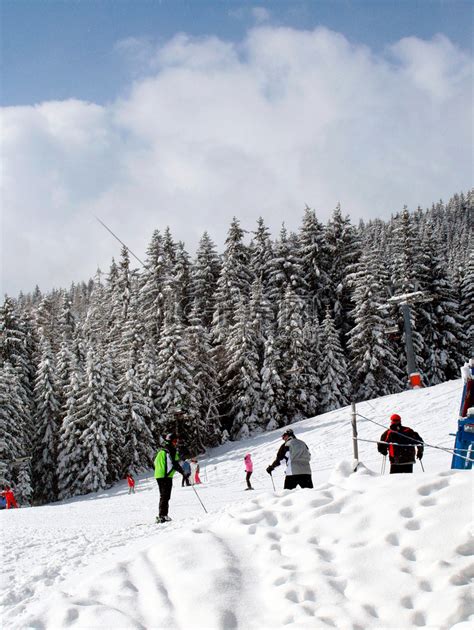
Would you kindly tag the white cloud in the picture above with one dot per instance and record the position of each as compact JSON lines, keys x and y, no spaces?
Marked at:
{"x":265,"y":126}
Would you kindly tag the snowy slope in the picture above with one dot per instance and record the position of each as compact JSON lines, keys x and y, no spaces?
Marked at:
{"x":359,"y":551}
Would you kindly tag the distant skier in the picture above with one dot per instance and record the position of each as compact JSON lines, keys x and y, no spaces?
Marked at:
{"x":248,"y":470}
{"x":166,"y":464}
{"x":402,"y":445}
{"x":131,"y":484}
{"x":10,"y":500}
{"x":186,"y":466}
{"x":297,"y":456}
{"x":195,"y":479}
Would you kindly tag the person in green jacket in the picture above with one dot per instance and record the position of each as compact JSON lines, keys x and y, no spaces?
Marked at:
{"x":166,"y":463}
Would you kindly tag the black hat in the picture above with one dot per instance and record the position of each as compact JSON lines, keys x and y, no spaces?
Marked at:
{"x":170,"y":437}
{"x":288,"y":433}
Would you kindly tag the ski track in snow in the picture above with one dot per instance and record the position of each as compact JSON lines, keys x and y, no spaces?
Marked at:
{"x":359,"y":551}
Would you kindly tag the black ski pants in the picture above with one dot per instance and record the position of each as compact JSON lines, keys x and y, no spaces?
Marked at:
{"x":401,"y":468}
{"x":185,"y":481}
{"x":247,"y":479}
{"x":303,"y":481}
{"x":164,"y":485}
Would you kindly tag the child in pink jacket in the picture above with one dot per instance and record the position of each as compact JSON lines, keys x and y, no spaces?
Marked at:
{"x":248,"y":470}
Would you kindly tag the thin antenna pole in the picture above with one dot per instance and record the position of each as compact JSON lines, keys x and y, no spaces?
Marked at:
{"x":122,"y":243}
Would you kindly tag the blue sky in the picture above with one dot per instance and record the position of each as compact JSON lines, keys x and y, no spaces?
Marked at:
{"x":61,"y":49}
{"x":151,"y":114}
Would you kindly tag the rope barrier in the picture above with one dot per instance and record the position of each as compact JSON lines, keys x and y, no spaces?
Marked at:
{"x":412,"y":440}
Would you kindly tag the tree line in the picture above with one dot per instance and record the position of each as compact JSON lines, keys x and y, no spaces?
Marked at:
{"x":223,"y":346}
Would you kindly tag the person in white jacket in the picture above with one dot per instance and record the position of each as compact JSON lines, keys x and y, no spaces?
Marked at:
{"x":297,"y":457}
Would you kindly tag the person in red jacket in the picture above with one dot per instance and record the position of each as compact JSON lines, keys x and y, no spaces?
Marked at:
{"x":402,"y":444}
{"x":131,"y":484}
{"x":9,"y":498}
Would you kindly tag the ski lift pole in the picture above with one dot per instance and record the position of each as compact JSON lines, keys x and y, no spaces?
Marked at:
{"x":355,"y":444}
{"x":199,"y":498}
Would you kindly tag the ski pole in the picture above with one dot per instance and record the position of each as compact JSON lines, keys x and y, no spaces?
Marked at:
{"x":273,"y":483}
{"x":421,"y":464}
{"x":195,"y":492}
{"x":383,"y":464}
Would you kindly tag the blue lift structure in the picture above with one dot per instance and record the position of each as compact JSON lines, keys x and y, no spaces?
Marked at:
{"x":464,"y":443}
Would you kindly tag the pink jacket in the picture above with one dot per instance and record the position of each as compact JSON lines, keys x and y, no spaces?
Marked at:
{"x":248,"y":464}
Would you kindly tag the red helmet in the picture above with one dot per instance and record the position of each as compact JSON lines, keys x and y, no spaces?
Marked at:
{"x":395,"y":418}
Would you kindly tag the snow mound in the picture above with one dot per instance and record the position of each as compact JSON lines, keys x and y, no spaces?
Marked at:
{"x":360,"y":551}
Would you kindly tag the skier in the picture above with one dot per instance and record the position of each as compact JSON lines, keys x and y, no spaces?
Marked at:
{"x":297,"y":456}
{"x":131,"y":484}
{"x":166,"y":464}
{"x":9,"y":498}
{"x":248,"y":470}
{"x":403,"y":443}
{"x":195,"y":479}
{"x":187,"y":473}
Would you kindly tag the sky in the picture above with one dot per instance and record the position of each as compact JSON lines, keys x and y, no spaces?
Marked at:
{"x":364,"y":550}
{"x":152,"y":113}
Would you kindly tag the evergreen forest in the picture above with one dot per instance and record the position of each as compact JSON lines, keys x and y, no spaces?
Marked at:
{"x":223,"y":345}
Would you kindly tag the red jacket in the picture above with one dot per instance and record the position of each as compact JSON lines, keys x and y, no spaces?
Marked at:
{"x":131,"y":481}
{"x":402,"y":445}
{"x":10,"y":499}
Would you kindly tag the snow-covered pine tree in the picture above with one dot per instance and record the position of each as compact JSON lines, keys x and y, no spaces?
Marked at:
{"x":47,"y":426}
{"x":139,"y":448}
{"x":241,"y":376}
{"x":204,"y":276}
{"x":17,"y":349}
{"x":261,"y":253}
{"x":343,"y":252}
{"x":315,"y":261}
{"x":333,"y":373}
{"x":11,"y":422}
{"x":94,"y":412}
{"x":152,"y":282}
{"x":208,"y":427}
{"x":374,"y":367}
{"x":177,"y":390}
{"x":271,"y":386}
{"x":148,"y":376}
{"x":440,"y":322}
{"x":467,"y":301}
{"x":285,"y":268}
{"x":47,"y":318}
{"x":135,"y":407}
{"x":182,"y":281}
{"x":297,"y":372}
{"x":71,"y":458}
{"x":117,"y":308}
{"x":233,"y":284}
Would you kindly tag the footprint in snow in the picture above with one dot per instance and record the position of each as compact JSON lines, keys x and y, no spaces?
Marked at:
{"x":466,"y":549}
{"x":406,"y":512}
{"x":433,"y":487}
{"x":327,"y":556}
{"x":409,"y":554}
{"x":419,"y":619}
{"x":425,"y":586}
{"x":463,"y":577}
{"x":407,"y":602}
{"x":392,"y":539}
{"x":428,"y":502}
{"x":371,"y":610}
{"x":292,"y":596}
{"x":413,"y":524}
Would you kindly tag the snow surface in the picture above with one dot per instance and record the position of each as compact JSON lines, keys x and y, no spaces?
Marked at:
{"x":358,"y":551}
